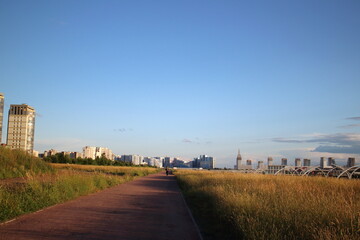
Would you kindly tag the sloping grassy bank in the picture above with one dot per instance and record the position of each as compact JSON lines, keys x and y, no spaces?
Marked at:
{"x":246,"y":206}
{"x":17,"y":163}
{"x":44,"y":185}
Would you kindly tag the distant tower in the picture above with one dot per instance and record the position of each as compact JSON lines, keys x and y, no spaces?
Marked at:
{"x":351,"y":162}
{"x":270,"y":161}
{"x":1,"y":114}
{"x":323,"y":163}
{"x":284,"y":161}
{"x":21,"y":127}
{"x":297,"y":162}
{"x":331,"y":161}
{"x":238,"y":160}
{"x":261,"y":165}
{"x":307,"y":162}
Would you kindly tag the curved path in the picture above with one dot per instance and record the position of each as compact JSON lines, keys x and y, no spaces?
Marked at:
{"x":150,"y":207}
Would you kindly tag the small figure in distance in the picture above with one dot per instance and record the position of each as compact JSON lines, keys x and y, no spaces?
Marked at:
{"x":167,"y":171}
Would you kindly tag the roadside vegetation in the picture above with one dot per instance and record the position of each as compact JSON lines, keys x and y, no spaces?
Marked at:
{"x":247,"y":206}
{"x":40,"y":184}
{"x":17,"y":163}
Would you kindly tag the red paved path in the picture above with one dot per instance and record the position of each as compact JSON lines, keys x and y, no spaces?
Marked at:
{"x":148,"y":208}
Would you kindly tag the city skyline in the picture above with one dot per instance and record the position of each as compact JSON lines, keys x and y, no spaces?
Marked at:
{"x":182,"y":79}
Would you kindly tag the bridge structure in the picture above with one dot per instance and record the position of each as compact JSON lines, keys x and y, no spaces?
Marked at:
{"x":329,"y":171}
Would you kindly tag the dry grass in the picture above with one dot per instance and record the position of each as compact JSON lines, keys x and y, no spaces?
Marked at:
{"x":246,"y":206}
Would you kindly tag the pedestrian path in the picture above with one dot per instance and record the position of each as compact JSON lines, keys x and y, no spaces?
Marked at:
{"x":150,"y":207}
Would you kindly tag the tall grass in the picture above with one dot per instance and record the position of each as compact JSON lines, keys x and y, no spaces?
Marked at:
{"x":246,"y":206}
{"x":17,"y":163}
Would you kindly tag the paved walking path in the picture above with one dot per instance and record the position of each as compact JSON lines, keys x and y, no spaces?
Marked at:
{"x":150,"y":207}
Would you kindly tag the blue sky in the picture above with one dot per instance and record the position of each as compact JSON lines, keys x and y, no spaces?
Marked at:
{"x":184,"y":78}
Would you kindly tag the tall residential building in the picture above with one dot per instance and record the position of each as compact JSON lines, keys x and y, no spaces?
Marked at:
{"x":270,"y":161}
{"x":331,"y":161}
{"x":284,"y":161}
{"x":21,"y":127}
{"x":1,"y":114}
{"x":297,"y":162}
{"x":307,"y":162}
{"x":350,"y":162}
{"x":323,"y":163}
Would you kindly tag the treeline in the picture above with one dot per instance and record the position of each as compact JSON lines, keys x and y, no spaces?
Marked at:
{"x":62,"y":158}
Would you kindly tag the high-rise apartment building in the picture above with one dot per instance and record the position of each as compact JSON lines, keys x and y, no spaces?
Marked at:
{"x":350,"y":162}
{"x":1,"y":114}
{"x":307,"y":162}
{"x":284,"y":161}
{"x":21,"y":127}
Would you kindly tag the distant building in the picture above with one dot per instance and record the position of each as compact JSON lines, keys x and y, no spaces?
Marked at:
{"x":270,"y":161}
{"x":75,"y":155}
{"x":35,"y":153}
{"x":158,"y":162}
{"x":134,"y":159}
{"x":284,"y":161}
{"x":324,"y":163}
{"x":261,"y":165}
{"x":351,"y":162}
{"x":272,"y":169}
{"x":238,"y":160}
{"x":178,"y":163}
{"x":1,"y":114}
{"x":21,"y":127}
{"x":94,"y":152}
{"x":167,"y":162}
{"x":297,"y":162}
{"x":50,"y":153}
{"x":307,"y":162}
{"x":331,"y":161}
{"x":204,"y":161}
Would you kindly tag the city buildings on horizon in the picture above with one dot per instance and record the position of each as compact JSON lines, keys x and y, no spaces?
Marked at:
{"x":327,"y":167}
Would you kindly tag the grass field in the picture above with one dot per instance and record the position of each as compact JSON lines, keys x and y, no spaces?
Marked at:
{"x":248,"y":206}
{"x":39,"y":184}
